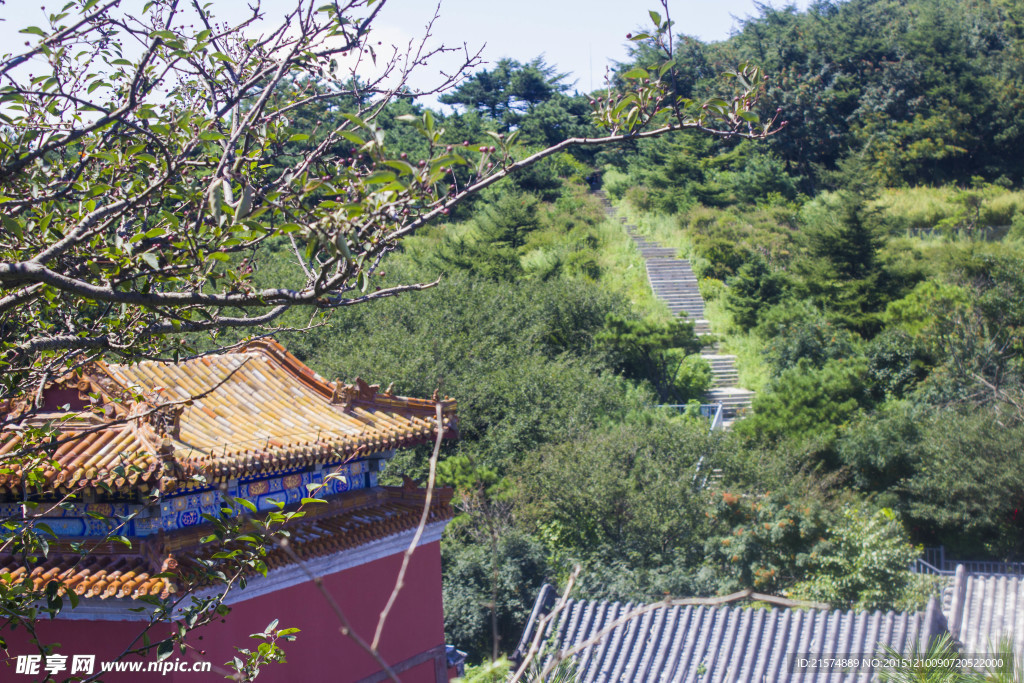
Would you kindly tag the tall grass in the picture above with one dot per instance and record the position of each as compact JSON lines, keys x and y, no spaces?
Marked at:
{"x":923,"y":208}
{"x":750,"y":366}
{"x":623,"y":270}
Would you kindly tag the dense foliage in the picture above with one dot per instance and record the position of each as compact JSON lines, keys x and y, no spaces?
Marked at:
{"x":867,"y":267}
{"x":880,"y":322}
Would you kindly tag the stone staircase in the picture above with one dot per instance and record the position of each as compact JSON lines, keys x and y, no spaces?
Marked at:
{"x":672,"y":280}
{"x":723,"y":369}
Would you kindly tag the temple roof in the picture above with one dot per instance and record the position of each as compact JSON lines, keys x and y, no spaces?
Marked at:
{"x":152,"y":567}
{"x":726,"y":643}
{"x":984,"y":609}
{"x":252,"y":412}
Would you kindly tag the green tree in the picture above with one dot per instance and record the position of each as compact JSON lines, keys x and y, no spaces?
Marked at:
{"x":651,"y":350}
{"x":509,"y":90}
{"x":841,"y":269}
{"x":807,"y":402}
{"x":862,"y":564}
{"x":760,"y":541}
{"x":628,"y":493}
{"x":470,"y":589}
{"x":753,"y":289}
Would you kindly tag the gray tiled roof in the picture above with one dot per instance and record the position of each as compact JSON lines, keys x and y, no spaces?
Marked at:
{"x":725,"y":644}
{"x":983,"y":608}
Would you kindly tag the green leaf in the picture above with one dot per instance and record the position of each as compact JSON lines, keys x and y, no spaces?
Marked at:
{"x":34,"y":30}
{"x":402,"y":167}
{"x":12,"y":225}
{"x":621,"y":106}
{"x":212,"y":135}
{"x":655,"y":17}
{"x":306,"y":501}
{"x":298,"y":137}
{"x":636,"y":73}
{"x":164,"y":650}
{"x":352,"y":137}
{"x":356,"y":120}
{"x":378,"y":177}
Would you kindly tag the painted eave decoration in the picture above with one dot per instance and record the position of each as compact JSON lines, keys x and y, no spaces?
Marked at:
{"x":151,"y":566}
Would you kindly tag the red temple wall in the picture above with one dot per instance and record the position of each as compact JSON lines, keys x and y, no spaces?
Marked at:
{"x":319,"y":653}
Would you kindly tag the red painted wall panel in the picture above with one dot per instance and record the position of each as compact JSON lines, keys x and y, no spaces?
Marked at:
{"x":320,"y":653}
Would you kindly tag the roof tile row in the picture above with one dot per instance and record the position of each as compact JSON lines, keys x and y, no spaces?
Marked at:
{"x":719,"y":644}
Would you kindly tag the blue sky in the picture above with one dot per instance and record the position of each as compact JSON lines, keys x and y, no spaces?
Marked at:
{"x":581,"y":37}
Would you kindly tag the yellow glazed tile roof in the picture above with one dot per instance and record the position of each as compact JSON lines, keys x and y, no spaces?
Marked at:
{"x":256,"y":411}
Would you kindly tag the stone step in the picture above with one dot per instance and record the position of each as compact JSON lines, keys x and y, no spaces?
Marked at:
{"x":731,"y":395}
{"x":724,"y":374}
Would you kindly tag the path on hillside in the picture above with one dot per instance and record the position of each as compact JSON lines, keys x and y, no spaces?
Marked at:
{"x":672,"y":280}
